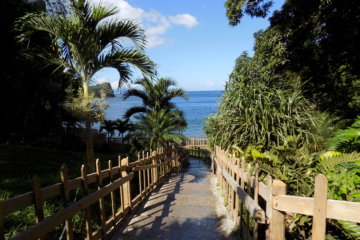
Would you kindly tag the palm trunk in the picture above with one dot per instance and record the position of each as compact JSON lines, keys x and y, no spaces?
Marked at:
{"x":90,"y":159}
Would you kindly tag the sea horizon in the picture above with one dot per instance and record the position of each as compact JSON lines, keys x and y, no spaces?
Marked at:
{"x":197,"y":108}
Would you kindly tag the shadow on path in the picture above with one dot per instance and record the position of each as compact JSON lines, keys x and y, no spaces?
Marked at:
{"x":183,"y":208}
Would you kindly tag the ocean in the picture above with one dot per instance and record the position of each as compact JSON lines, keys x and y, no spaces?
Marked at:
{"x":196,"y":109}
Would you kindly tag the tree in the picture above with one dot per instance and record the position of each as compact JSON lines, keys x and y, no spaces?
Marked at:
{"x":154,"y":95}
{"x":255,"y":8}
{"x":85,"y":42}
{"x":123,"y":126}
{"x":158,"y":128}
{"x":109,"y":127}
{"x":315,"y":42}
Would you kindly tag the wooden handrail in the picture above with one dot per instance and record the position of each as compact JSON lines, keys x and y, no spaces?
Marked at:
{"x":231,"y":169}
{"x":119,"y":178}
{"x":50,"y":223}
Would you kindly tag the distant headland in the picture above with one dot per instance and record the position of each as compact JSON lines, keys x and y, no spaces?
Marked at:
{"x":103,"y":90}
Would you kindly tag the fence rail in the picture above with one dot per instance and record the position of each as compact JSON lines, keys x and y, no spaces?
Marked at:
{"x":196,"y":142}
{"x":151,"y":168}
{"x":265,"y":219}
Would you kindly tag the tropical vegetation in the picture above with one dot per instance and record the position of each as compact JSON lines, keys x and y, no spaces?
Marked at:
{"x":158,"y":121}
{"x":288,"y":106}
{"x":84,"y":43}
{"x":155,"y":95}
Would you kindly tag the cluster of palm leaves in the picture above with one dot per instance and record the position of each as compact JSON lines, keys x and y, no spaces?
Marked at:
{"x":84,"y":42}
{"x":119,"y":125}
{"x":157,"y":121}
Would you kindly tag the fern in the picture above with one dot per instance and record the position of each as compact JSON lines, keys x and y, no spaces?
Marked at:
{"x":347,"y":140}
{"x":328,"y":163}
{"x":351,"y":228}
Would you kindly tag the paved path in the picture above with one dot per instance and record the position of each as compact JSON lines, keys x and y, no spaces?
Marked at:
{"x":186,"y":207}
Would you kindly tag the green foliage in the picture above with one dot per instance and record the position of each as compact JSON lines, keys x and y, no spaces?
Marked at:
{"x":154,"y":95}
{"x":83,"y":43}
{"x":102,"y":90}
{"x":158,"y":128}
{"x":235,"y":9}
{"x":251,"y":113}
{"x":313,"y":42}
{"x":109,"y":127}
{"x":79,"y":106}
{"x":347,"y":140}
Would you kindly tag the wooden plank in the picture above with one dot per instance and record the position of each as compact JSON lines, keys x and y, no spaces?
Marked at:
{"x":339,"y":210}
{"x":277,"y":221}
{"x":136,"y":200}
{"x":120,"y":187}
{"x":66,"y":194}
{"x":242,"y":186}
{"x":270,"y":200}
{"x":140,"y":183}
{"x":112,"y":194}
{"x":16,"y":203}
{"x":35,"y":231}
{"x":343,"y":210}
{"x":256,"y":199}
{"x":320,"y":202}
{"x":146,"y":167}
{"x":126,"y":187}
{"x":248,"y":190}
{"x":88,"y":220}
{"x":2,"y":237}
{"x":101,"y":200}
{"x":38,"y":202}
{"x":254,"y":209}
{"x":294,"y":204}
{"x":263,"y":191}
{"x":51,"y":191}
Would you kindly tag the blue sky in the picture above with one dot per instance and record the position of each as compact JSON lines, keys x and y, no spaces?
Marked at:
{"x":190,"y":41}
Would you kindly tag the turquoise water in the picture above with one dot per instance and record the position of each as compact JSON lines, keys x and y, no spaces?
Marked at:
{"x":199,"y":105}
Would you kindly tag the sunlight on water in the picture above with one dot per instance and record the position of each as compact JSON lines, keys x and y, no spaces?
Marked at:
{"x":196,"y":109}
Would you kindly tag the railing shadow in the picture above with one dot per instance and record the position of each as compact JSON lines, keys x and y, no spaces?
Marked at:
{"x":155,"y":221}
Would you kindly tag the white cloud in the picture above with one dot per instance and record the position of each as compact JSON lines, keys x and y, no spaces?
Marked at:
{"x":154,"y":23}
{"x":184,"y":19}
{"x":209,"y":84}
{"x":100,"y":80}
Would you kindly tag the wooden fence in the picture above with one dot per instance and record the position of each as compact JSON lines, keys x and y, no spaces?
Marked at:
{"x":150,"y":168}
{"x":196,"y":142}
{"x":259,"y":208}
{"x":198,"y":152}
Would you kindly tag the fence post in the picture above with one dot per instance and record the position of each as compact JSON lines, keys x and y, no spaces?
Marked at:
{"x":2,"y":237}
{"x":101,"y":200}
{"x":148,"y":173}
{"x":112,"y":195}
{"x":256,"y":198}
{"x":66,"y":194}
{"x":88,"y":222}
{"x":320,"y":202}
{"x":39,"y":211}
{"x":126,"y":191}
{"x":156,"y":170}
{"x":277,"y":220}
{"x":121,"y":186}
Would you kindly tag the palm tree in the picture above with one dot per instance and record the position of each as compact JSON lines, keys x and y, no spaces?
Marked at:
{"x":154,"y":95}
{"x":158,"y":128}
{"x":123,"y":126}
{"x":85,"y":42}
{"x":109,"y":127}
